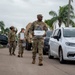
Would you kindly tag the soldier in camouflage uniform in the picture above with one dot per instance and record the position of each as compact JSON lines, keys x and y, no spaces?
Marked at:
{"x":21,"y":41}
{"x":16,"y":37}
{"x":11,"y":40}
{"x":38,"y":43}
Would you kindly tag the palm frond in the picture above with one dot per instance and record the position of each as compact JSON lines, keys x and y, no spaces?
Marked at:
{"x":72,"y":16}
{"x":53,"y":13}
{"x":72,"y":23}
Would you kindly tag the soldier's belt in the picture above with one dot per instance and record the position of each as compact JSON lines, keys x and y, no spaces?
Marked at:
{"x":38,"y":37}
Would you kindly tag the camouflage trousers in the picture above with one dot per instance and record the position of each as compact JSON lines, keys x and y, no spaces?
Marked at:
{"x":37,"y":45}
{"x":21,"y":49}
{"x":12,"y":47}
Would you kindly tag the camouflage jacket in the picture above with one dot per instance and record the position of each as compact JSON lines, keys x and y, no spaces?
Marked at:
{"x":34,"y":26}
{"x":21,"y":40}
{"x":11,"y":36}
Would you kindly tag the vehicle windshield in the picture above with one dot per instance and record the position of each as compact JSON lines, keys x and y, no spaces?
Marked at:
{"x":69,"y":32}
{"x":48,"y":33}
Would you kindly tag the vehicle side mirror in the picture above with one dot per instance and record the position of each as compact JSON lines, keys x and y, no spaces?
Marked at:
{"x":56,"y":37}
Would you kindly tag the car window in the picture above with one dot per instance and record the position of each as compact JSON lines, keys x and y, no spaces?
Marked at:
{"x":56,"y":32}
{"x":69,"y":32}
{"x":59,"y":33}
{"x":3,"y":37}
{"x":48,"y":33}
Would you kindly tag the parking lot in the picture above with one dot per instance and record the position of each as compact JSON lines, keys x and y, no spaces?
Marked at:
{"x":12,"y":65}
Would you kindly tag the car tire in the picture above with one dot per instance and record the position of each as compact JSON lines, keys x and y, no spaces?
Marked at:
{"x":49,"y":55}
{"x":44,"y":53}
{"x":29,"y":46}
{"x":61,"y":56}
{"x":26,"y":45}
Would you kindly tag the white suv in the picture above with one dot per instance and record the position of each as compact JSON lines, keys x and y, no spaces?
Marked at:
{"x":62,"y":44}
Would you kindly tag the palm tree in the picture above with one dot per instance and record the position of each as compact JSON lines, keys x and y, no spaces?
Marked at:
{"x":2,"y":27}
{"x":62,"y":15}
{"x":6,"y":31}
{"x":49,"y":23}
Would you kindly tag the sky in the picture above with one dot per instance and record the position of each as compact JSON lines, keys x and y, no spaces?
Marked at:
{"x":19,"y":13}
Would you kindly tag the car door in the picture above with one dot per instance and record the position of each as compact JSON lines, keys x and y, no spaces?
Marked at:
{"x":57,"y":42}
{"x":54,"y":43}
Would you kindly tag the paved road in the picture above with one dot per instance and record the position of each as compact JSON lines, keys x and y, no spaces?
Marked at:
{"x":12,"y":65}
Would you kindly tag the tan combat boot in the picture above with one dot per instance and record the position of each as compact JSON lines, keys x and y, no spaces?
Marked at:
{"x":40,"y":63}
{"x":18,"y":55}
{"x":33,"y":62}
{"x":21,"y":55}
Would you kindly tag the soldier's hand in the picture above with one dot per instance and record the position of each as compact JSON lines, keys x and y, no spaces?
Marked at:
{"x":44,"y":34}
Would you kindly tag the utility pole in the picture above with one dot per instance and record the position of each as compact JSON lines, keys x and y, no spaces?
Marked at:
{"x":68,"y":21}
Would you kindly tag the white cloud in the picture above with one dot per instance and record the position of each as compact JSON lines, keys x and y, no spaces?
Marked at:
{"x":20,"y":12}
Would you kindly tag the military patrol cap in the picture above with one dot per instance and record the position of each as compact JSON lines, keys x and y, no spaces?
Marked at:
{"x":39,"y":15}
{"x":12,"y":27}
{"x":22,"y":29}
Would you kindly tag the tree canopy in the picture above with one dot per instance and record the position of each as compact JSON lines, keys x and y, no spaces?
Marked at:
{"x":61,"y":16}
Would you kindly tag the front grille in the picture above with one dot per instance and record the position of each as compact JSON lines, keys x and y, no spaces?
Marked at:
{"x":70,"y":54}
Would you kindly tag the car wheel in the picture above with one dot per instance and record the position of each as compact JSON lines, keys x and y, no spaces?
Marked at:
{"x":29,"y":47}
{"x":49,"y":55}
{"x":44,"y":53}
{"x":61,"y":56}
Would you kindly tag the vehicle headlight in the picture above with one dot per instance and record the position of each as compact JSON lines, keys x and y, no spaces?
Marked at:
{"x":68,"y":43}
